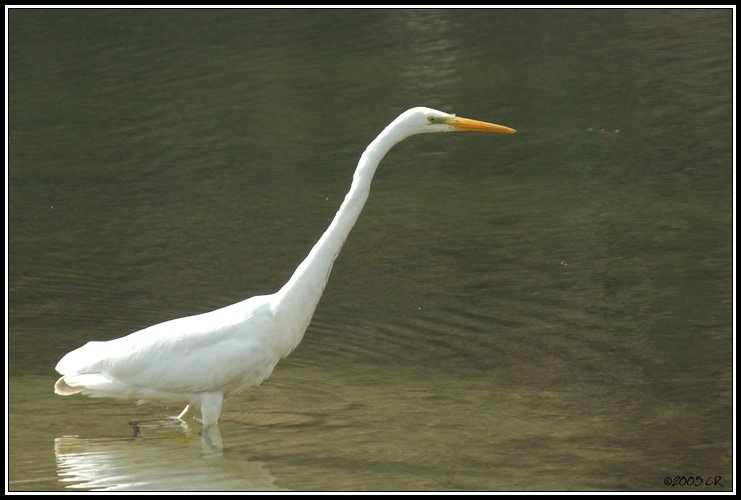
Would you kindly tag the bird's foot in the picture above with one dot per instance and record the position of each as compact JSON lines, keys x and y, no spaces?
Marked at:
{"x":186,"y":413}
{"x":154,"y":423}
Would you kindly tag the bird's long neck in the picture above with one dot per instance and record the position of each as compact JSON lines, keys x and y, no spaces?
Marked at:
{"x":302,"y":292}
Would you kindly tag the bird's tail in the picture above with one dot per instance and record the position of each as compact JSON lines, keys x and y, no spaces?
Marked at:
{"x":64,"y":389}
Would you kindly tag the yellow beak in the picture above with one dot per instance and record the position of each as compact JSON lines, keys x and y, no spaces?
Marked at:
{"x":477,"y":126}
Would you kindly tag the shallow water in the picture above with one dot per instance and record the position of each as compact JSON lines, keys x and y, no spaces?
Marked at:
{"x":549,"y":311}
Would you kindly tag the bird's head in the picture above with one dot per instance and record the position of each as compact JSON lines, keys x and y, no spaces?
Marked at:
{"x":422,"y":120}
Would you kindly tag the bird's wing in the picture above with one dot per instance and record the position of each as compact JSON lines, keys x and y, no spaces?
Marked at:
{"x":193,"y":354}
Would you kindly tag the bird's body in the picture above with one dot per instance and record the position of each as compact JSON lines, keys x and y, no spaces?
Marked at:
{"x":199,"y":360}
{"x":180,"y":361}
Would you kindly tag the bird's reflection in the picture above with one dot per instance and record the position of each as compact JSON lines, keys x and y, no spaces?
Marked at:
{"x":152,"y":462}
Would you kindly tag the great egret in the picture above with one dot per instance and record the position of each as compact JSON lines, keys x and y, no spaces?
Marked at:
{"x":200,"y":360}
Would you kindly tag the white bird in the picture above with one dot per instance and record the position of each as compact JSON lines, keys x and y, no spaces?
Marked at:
{"x":201,"y":360}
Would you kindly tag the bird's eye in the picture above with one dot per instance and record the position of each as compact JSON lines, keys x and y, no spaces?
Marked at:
{"x":431,"y":119}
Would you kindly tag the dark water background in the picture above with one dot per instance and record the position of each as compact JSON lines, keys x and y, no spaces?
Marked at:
{"x":549,"y":311}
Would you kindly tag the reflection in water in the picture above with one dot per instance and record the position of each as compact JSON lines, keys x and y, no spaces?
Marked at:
{"x":155,"y":463}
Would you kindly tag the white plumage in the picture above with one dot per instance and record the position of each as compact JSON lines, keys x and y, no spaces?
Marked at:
{"x":200,"y":360}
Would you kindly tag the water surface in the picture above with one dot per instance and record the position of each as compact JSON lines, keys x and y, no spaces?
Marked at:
{"x":549,"y":311}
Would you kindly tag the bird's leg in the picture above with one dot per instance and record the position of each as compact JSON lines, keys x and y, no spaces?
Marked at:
{"x":211,"y":407}
{"x":187,"y":412}
{"x":210,"y":411}
{"x":211,"y":440}
{"x":151,"y":423}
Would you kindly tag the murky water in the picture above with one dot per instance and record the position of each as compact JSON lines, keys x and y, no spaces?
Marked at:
{"x":550,"y":311}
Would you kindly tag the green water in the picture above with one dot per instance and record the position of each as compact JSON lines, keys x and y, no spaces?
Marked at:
{"x":549,"y":311}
